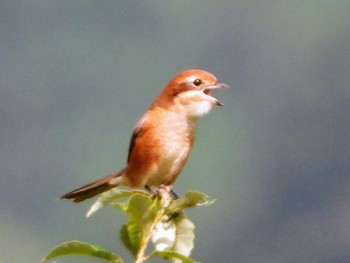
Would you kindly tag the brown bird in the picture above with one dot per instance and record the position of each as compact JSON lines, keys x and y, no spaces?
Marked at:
{"x":163,"y":137}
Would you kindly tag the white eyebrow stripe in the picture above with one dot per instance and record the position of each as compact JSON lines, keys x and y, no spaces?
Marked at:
{"x":191,"y":78}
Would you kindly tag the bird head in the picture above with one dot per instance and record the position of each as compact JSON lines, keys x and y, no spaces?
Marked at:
{"x":190,"y":92}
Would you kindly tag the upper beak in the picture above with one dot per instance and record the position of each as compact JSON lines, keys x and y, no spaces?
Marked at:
{"x":207,"y":90}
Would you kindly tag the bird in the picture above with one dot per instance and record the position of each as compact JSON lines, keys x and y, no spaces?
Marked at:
{"x":163,"y":137}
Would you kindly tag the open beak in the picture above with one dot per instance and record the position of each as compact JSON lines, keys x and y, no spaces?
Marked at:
{"x":208,"y":89}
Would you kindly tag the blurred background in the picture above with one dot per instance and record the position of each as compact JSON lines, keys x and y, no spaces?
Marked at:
{"x":75,"y":76}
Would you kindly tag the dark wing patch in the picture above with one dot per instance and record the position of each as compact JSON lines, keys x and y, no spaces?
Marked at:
{"x":136,"y":133}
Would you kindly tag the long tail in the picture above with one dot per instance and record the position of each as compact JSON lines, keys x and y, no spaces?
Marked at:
{"x":94,"y":188}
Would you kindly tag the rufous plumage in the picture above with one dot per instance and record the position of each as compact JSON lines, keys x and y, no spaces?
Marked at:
{"x":163,"y":137}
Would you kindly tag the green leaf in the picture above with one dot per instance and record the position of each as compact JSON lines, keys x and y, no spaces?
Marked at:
{"x":190,"y":199}
{"x":111,"y":197}
{"x":130,"y":234}
{"x":176,"y":257}
{"x":76,"y":247}
{"x":142,"y":210}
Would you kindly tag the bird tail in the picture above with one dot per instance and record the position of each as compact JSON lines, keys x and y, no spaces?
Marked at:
{"x":94,"y":188}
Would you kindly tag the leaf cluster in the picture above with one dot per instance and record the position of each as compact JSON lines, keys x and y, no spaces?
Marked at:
{"x":151,"y":218}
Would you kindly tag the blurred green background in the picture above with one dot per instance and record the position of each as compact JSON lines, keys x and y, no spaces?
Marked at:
{"x":75,"y":76}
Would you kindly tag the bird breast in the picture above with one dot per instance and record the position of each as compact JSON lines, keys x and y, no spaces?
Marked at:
{"x":175,"y":138}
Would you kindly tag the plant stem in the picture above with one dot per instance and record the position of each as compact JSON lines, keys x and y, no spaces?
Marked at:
{"x":140,"y":257}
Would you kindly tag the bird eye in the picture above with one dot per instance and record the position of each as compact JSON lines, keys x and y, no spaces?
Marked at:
{"x":197,"y":82}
